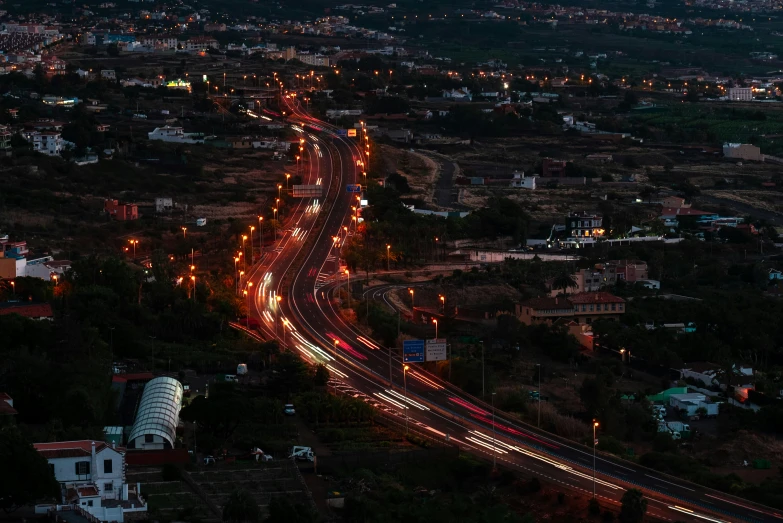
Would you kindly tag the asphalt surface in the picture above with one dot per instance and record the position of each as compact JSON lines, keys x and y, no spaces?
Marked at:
{"x":308,"y":320}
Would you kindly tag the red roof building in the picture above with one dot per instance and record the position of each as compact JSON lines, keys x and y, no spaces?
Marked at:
{"x":121,"y":211}
{"x":34,"y":311}
{"x":6,"y":405}
{"x":582,"y":308}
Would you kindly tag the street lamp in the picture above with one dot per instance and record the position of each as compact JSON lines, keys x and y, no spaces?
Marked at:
{"x":278,"y":299}
{"x":595,"y":443}
{"x":261,"y":233}
{"x":405,"y":385}
{"x":251,"y":244}
{"x":436,"y":327}
{"x":193,"y":279}
{"x":134,"y":243}
{"x":347,"y":273}
{"x":410,"y":291}
{"x":622,"y":355}
{"x":443,"y":302}
{"x":287,"y":177}
{"x":279,"y":188}
{"x":274,"y":210}
{"x":244,"y":239}
{"x":184,"y":231}
{"x":13,"y":287}
{"x":236,"y":280}
{"x":388,"y":255}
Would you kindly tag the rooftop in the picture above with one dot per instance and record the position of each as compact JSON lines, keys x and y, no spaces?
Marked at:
{"x":26,"y":309}
{"x":548,"y":303}
{"x":683,"y":211}
{"x":69,"y":449}
{"x":595,"y":297}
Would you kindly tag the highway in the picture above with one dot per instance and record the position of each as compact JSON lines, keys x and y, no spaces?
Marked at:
{"x":293,"y":299}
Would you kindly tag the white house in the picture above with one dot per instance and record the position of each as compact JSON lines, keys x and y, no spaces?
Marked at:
{"x":168,"y":133}
{"x":157,"y":417}
{"x":50,"y":143}
{"x":462,"y":94}
{"x":92,"y":477}
{"x":523,"y":182}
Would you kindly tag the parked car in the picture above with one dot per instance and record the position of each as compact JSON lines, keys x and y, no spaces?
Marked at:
{"x":289,"y":410}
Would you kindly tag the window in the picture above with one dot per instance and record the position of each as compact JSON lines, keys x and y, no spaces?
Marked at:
{"x":107,"y":463}
{"x":614,"y":306}
{"x":82,"y":468}
{"x":584,"y":308}
{"x":89,"y":503}
{"x":148,"y":438}
{"x":620,"y":307}
{"x":592,"y":307}
{"x":606,"y":306}
{"x":108,"y":487}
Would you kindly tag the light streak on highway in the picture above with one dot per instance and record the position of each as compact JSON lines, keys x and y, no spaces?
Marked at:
{"x":469,"y":406}
{"x":407,"y":400}
{"x":424,"y":379}
{"x":695,"y":514}
{"x":367,"y":342}
{"x":388,"y":399}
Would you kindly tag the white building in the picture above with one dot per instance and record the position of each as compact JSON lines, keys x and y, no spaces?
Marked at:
{"x":46,"y":268}
{"x":155,"y":427}
{"x":740,"y":94}
{"x":92,"y":477}
{"x":458,"y":94}
{"x":49,"y":143}
{"x":313,"y":59}
{"x":523,"y":182}
{"x":175,"y":134}
{"x":163,"y":204}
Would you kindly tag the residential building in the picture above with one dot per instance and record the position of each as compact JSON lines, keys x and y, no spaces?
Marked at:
{"x":543,"y":310}
{"x":600,"y":157}
{"x":742,"y":151}
{"x":591,"y":306}
{"x":209,"y":28}
{"x":317,"y":60}
{"x":775,"y":275}
{"x":462,"y":94}
{"x":691,"y":403}
{"x":163,"y":204}
{"x":50,"y":143}
{"x":201,"y":43}
{"x":584,"y":225}
{"x":521,"y":181}
{"x":630,"y":270}
{"x":586,"y":280}
{"x":175,"y":134}
{"x":5,"y":137}
{"x":121,"y":211}
{"x":108,"y":74}
{"x":155,"y":427}
{"x":553,"y":168}
{"x":740,"y":94}
{"x":33,"y":311}
{"x":582,"y":308}
{"x":46,"y":268}
{"x":671,"y":217}
{"x":92,"y":477}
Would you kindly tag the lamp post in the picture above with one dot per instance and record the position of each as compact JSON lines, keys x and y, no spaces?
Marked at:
{"x":244,"y":239}
{"x":261,"y":233}
{"x":622,"y":355}
{"x":285,"y":332}
{"x":494,"y":435}
{"x":405,"y":385}
{"x":388,"y":255}
{"x":436,"y":327}
{"x":13,"y":287}
{"x":443,"y":302}
{"x":297,"y":164}
{"x":193,"y":279}
{"x":595,"y":443}
{"x":287,"y":177}
{"x":279,"y":188}
{"x":412,"y":306}
{"x":274,"y":210}
{"x":278,"y":299}
{"x":134,"y":243}
{"x":539,"y":395}
{"x":348,"y":273}
{"x":236,"y":280}
{"x":252,"y":228}
{"x":184,"y":232}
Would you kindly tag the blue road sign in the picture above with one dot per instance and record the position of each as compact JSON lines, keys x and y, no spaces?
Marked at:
{"x":342,"y":132}
{"x":413,"y":351}
{"x":356,"y":188}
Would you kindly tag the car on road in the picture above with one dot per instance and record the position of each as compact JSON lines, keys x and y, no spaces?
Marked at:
{"x":289,"y":409}
{"x":209,"y":460}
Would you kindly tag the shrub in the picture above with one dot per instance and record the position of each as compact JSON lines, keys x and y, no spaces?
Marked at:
{"x":593,"y":508}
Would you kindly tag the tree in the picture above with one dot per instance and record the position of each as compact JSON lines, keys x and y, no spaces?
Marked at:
{"x":31,"y":480}
{"x":321,"y":376}
{"x":113,"y":50}
{"x":241,"y":507}
{"x":564,"y":282}
{"x":634,"y":506}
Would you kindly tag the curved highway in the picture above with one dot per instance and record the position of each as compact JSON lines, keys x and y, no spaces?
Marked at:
{"x":293,"y":299}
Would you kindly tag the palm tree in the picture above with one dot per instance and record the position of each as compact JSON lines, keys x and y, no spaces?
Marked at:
{"x":564,"y":282}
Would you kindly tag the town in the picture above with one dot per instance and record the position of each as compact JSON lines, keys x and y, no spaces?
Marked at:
{"x":482,"y":261}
